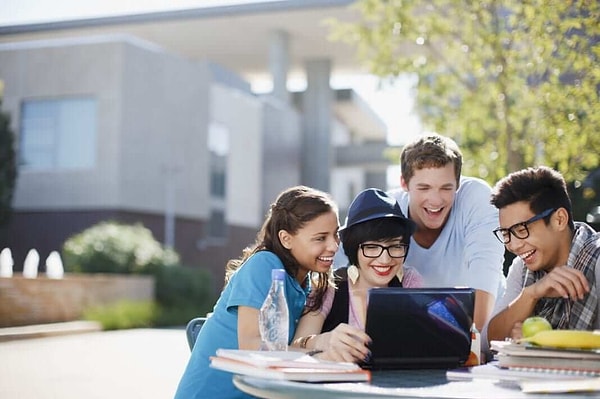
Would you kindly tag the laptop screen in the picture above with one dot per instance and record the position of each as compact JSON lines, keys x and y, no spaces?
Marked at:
{"x":419,"y":327}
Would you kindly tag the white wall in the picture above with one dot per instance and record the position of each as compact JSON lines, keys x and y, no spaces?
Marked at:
{"x":345,"y":184}
{"x":60,"y":71}
{"x":241,"y":114}
{"x":282,"y":146}
{"x":152,"y":117}
{"x":164,"y":133}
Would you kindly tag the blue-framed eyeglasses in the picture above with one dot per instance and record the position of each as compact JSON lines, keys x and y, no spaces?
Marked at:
{"x":520,"y":230}
{"x":375,"y":250}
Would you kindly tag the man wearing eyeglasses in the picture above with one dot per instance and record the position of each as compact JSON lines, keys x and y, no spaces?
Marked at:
{"x":557,"y":265}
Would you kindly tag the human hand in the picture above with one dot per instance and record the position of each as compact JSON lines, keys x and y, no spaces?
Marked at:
{"x":562,"y":281}
{"x":517,"y":331}
{"x":343,"y":344}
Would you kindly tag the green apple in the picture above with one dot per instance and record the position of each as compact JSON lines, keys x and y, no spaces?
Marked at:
{"x":533,"y":325}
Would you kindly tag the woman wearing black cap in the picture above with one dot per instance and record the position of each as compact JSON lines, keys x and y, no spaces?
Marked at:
{"x":375,"y":239}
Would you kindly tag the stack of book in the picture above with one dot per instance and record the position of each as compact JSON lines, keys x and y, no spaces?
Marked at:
{"x":528,"y":357}
{"x":538,"y":369}
{"x":284,"y":365}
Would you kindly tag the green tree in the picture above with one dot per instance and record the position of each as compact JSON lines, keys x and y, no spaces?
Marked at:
{"x":8,"y":164}
{"x":514,"y":82}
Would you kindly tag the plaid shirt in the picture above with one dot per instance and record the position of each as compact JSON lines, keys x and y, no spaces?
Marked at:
{"x":563,"y":312}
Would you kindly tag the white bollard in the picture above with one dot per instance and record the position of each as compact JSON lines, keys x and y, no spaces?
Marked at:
{"x":32,"y":262}
{"x":6,"y":263}
{"x":54,"y":266}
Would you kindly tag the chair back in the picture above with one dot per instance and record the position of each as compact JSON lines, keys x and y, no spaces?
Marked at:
{"x":193,"y":329}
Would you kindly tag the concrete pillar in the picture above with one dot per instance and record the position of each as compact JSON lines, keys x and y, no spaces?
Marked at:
{"x":317,"y":153}
{"x":279,"y":63}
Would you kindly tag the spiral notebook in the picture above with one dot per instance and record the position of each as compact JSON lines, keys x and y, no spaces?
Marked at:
{"x":419,"y":327}
{"x":492,"y":371}
{"x":588,"y":367}
{"x":547,"y":360}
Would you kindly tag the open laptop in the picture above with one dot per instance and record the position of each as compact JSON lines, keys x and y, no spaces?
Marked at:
{"x":419,"y":327}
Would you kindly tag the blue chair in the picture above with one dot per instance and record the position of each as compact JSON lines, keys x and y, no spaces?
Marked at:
{"x":192,"y":329}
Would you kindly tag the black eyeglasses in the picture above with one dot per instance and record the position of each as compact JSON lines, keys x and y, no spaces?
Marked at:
{"x":520,"y":230}
{"x":375,"y":250}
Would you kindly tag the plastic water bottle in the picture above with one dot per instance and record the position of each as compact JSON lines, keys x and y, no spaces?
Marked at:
{"x":273,"y":319}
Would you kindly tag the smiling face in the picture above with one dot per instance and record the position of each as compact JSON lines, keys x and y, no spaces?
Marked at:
{"x":314,"y":245}
{"x":431,"y":192}
{"x":547,"y":245}
{"x":378,"y":272}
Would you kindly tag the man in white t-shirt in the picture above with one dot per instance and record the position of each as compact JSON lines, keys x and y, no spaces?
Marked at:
{"x":453,"y":244}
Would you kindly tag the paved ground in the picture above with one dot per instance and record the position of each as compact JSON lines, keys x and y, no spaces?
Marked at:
{"x":138,"y":363}
{"x":48,"y":330}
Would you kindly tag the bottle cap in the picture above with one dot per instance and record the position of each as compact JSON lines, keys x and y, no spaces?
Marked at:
{"x":278,"y":274}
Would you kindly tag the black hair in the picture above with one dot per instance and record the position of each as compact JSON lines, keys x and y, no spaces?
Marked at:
{"x":542,"y":187}
{"x":373,"y":230}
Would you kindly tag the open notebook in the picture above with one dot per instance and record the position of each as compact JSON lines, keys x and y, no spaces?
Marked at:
{"x":419,"y":327}
{"x":286,"y":365}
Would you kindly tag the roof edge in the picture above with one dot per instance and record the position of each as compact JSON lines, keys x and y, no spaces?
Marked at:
{"x":189,"y":13}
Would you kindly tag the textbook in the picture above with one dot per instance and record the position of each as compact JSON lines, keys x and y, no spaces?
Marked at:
{"x":530,"y":350}
{"x":564,"y":365}
{"x":286,"y":365}
{"x":586,"y":385}
{"x":492,"y":371}
{"x":529,"y":357}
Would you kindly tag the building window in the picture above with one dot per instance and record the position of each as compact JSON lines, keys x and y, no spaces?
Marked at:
{"x":58,"y":134}
{"x":217,"y":227}
{"x":217,"y":184}
{"x":218,"y":147}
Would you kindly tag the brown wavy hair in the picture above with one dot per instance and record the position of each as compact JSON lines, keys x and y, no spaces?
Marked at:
{"x":430,"y":151}
{"x":292,"y":209}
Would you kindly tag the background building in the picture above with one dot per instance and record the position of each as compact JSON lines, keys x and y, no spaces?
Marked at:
{"x":152,"y":118}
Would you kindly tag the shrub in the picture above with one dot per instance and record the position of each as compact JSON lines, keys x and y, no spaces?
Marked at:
{"x":111,"y":247}
{"x":123,"y":314}
{"x":182,"y":293}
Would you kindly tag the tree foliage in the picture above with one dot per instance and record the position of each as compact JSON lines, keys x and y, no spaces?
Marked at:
{"x":514,"y":82}
{"x":8,"y":165}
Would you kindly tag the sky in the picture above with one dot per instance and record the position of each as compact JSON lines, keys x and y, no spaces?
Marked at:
{"x":27,"y":11}
{"x":393,"y":103}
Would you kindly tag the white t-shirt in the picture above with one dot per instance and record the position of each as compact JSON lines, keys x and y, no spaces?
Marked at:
{"x":466,"y":253}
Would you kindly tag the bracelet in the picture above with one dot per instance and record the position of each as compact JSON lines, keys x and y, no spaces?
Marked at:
{"x":304,"y":340}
